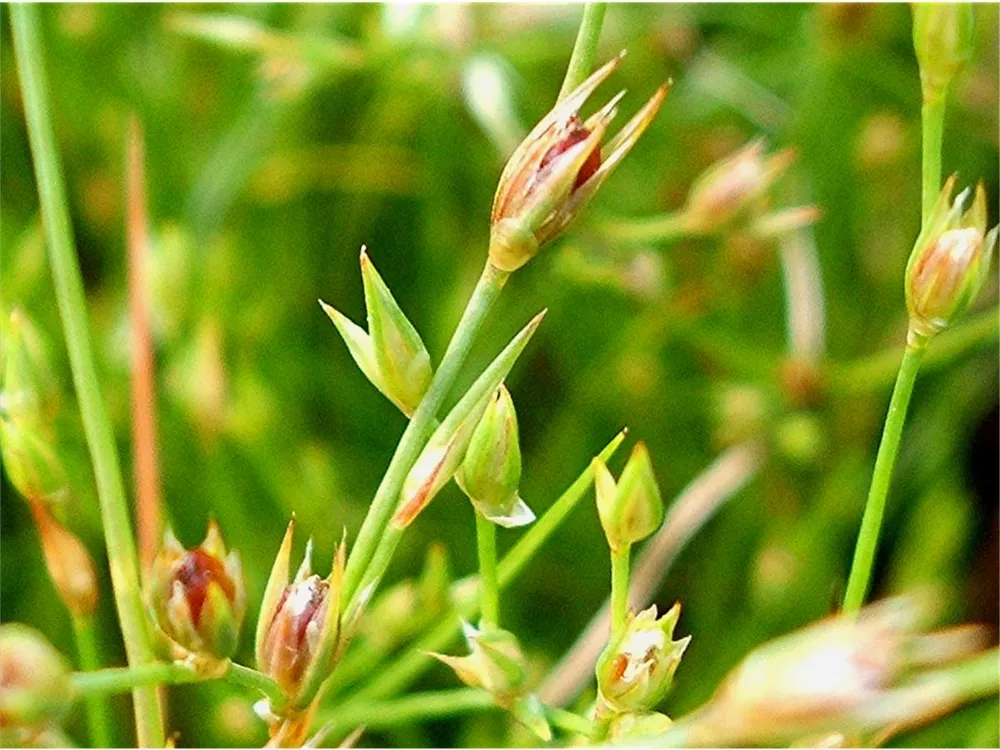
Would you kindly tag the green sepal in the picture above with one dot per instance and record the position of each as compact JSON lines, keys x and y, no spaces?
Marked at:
{"x":218,"y":625}
{"x":276,"y":583}
{"x":528,"y":710}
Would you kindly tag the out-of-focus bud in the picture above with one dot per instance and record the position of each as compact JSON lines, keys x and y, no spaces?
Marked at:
{"x":942,"y":39}
{"x":949,"y":263}
{"x":300,"y":624}
{"x":632,"y":509}
{"x":443,"y":454}
{"x":198,"y":596}
{"x":35,"y":688}
{"x":629,"y":728}
{"x":391,"y":354}
{"x":198,"y":380}
{"x":68,"y":561}
{"x":733,"y":187}
{"x":491,"y":471}
{"x":557,"y":169}
{"x":488,"y":91}
{"x":495,"y":664}
{"x":636,"y":669}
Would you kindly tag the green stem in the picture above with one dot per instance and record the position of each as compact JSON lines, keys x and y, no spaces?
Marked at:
{"x":620,"y":559}
{"x":661,"y":228}
{"x":407,"y":667}
{"x":90,"y":661}
{"x":570,"y":722}
{"x":123,"y":679}
{"x":932,"y":127}
{"x":237,"y":674}
{"x":489,"y":589}
{"x":339,"y":721}
{"x":871,"y":522}
{"x":581,"y":61}
{"x":374,"y":537}
{"x":73,"y":312}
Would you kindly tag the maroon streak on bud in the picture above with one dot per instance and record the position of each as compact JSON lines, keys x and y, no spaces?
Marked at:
{"x":557,"y":169}
{"x":196,"y":571}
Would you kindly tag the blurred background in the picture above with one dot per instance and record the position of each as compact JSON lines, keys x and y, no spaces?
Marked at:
{"x":280,"y":138}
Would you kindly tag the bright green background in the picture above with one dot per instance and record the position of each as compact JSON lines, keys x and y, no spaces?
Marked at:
{"x":268,"y":171}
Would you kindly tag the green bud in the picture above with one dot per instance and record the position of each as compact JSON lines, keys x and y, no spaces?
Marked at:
{"x":942,"y":39}
{"x":491,"y":471}
{"x":950,"y":261}
{"x":391,"y":354}
{"x":637,"y":668}
{"x":530,"y":712}
{"x":35,"y":687}
{"x":495,"y":662}
{"x":198,"y":596}
{"x":632,"y":509}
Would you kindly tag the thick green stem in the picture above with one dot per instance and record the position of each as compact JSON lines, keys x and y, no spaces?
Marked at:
{"x":932,"y":122}
{"x":90,"y":661}
{"x":373,"y":533}
{"x":581,"y":61}
{"x":489,"y":589}
{"x":619,"y":588}
{"x":871,"y":522}
{"x":73,"y":312}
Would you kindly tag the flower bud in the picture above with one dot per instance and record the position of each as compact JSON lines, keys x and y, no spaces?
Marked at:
{"x":950,"y":261}
{"x":942,"y":39}
{"x":632,"y":509}
{"x":35,"y":688}
{"x":68,"y":561}
{"x":636,"y":669}
{"x":391,"y":354}
{"x":557,"y":169}
{"x":300,"y":624}
{"x":198,"y":596}
{"x":495,"y":662}
{"x":733,"y":186}
{"x":491,"y":471}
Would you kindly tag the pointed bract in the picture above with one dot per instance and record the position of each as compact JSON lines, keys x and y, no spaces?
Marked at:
{"x":276,"y":583}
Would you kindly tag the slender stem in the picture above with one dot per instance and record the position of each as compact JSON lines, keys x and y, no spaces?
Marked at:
{"x":373,"y":532}
{"x":90,"y":661}
{"x":871,"y":522}
{"x":421,"y":706}
{"x":489,"y":589}
{"x":73,"y":311}
{"x":570,"y":722}
{"x":661,"y":228}
{"x":251,"y":678}
{"x":581,"y":61}
{"x":408,"y":666}
{"x":620,"y":559}
{"x":932,"y":126}
{"x":123,"y":679}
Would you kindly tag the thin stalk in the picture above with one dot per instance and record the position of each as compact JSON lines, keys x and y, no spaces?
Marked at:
{"x":73,"y":312}
{"x":408,"y":666}
{"x":620,"y":559}
{"x":237,"y":674}
{"x":932,"y":128}
{"x":581,"y":61}
{"x":421,"y":706}
{"x":373,"y":530}
{"x":489,"y":589}
{"x":90,"y":661}
{"x":871,"y":522}
{"x":122,"y":679}
{"x":570,"y":722}
{"x":661,"y":228}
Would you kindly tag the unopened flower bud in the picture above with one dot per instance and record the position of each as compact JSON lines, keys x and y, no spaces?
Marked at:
{"x":391,"y":353}
{"x":35,"y":688}
{"x":495,"y":662}
{"x":299,"y":624}
{"x":557,"y":169}
{"x":631,"y":509}
{"x":637,"y":668}
{"x":491,"y":471}
{"x":950,"y":261}
{"x":198,"y":596}
{"x":942,"y":39}
{"x":70,"y":565}
{"x":733,"y":186}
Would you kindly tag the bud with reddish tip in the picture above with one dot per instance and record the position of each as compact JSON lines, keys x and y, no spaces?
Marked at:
{"x":637,"y":668}
{"x":35,"y":689}
{"x":299,"y":628}
{"x":198,"y":596}
{"x":949,"y":263}
{"x":557,"y":169}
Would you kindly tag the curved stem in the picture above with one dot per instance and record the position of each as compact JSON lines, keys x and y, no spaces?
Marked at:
{"x":251,"y":678}
{"x":489,"y":589}
{"x":90,"y":660}
{"x":871,"y":522}
{"x":932,"y":128}
{"x":620,"y":559}
{"x":581,"y":61}
{"x":73,"y":312}
{"x":373,"y":532}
